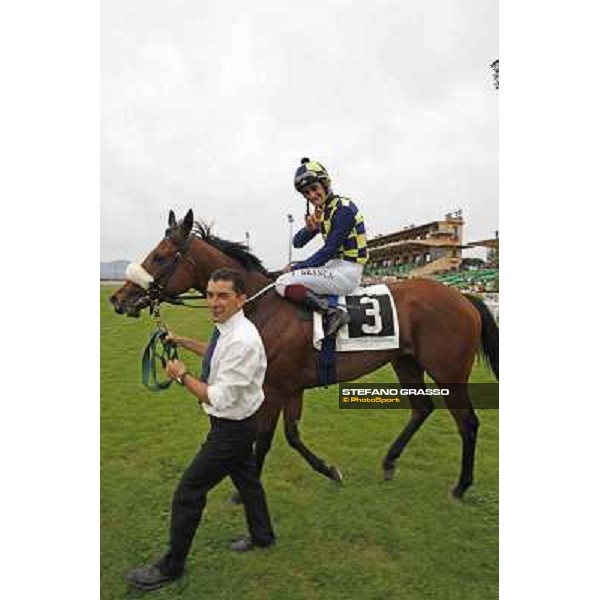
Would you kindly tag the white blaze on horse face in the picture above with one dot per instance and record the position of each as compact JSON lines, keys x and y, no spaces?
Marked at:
{"x":138,"y":275}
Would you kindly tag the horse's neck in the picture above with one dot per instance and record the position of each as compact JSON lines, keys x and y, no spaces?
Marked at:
{"x":209,"y":259}
{"x":255,"y":282}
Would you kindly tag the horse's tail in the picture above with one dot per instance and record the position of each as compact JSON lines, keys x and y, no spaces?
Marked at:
{"x":489,"y":334}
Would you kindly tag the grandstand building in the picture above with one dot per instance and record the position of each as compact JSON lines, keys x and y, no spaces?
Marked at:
{"x":433,"y":250}
{"x":421,"y":250}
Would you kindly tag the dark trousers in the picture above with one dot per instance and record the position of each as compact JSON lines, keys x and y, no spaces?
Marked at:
{"x":226,"y":451}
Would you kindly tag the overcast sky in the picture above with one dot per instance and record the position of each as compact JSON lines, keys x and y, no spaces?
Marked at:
{"x":210,"y":105}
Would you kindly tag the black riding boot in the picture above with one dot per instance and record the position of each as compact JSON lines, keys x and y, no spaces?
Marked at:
{"x":333,"y":318}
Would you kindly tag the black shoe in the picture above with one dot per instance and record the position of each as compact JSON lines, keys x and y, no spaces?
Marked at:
{"x":335,"y":319}
{"x":150,"y":577}
{"x":244,"y":544}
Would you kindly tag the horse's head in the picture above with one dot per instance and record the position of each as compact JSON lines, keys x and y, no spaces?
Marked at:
{"x":166,"y":272}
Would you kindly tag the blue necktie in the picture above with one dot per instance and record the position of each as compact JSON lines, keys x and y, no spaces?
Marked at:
{"x":208,"y":355}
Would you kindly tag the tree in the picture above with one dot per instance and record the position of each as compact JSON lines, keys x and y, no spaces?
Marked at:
{"x":495,"y":66}
{"x":472,"y":262}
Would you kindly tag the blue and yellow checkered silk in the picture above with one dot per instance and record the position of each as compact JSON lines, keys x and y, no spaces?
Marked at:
{"x":354,"y":248}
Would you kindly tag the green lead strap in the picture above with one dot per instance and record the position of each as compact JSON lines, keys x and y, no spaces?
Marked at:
{"x":157,"y":350}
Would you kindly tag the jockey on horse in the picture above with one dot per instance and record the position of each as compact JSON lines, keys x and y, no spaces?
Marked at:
{"x":337,"y":267}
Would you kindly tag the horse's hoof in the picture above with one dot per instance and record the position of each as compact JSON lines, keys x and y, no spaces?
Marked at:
{"x":235,"y":499}
{"x":457,"y":494}
{"x":388,"y":474}
{"x":335,"y":474}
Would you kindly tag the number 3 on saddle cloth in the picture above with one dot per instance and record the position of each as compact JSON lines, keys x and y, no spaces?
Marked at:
{"x":373,"y":326}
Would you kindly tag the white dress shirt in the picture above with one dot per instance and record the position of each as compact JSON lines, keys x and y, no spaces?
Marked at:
{"x":237,"y":370}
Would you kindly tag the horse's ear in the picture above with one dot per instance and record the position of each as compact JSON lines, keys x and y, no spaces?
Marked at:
{"x":172,"y":219}
{"x":188,"y":223}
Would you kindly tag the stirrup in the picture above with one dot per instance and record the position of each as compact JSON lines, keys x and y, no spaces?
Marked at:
{"x":334,"y":320}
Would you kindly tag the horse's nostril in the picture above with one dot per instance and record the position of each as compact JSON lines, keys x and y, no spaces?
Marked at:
{"x":115,"y":304}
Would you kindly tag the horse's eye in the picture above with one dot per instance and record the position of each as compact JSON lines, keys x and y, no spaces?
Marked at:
{"x":159,"y":259}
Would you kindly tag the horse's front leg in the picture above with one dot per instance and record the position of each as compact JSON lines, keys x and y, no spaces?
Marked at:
{"x":291,"y":415}
{"x":266,"y":430}
{"x":267,"y":423}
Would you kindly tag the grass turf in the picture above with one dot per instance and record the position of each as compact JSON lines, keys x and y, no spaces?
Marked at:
{"x":365,"y":539}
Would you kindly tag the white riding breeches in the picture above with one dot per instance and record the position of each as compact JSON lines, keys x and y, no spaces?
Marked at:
{"x":338,"y":277}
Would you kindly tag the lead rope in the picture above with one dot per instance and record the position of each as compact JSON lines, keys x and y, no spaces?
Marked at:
{"x":158,"y":349}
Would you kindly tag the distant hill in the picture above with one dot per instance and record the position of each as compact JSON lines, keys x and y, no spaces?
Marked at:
{"x":114,"y":269}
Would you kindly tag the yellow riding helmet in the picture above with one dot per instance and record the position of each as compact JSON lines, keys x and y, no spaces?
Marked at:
{"x":310,"y":171}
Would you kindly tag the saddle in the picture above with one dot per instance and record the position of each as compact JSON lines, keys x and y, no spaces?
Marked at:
{"x":372,"y":325}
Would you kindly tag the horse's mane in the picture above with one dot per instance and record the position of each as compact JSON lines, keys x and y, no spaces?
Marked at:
{"x":235,"y":250}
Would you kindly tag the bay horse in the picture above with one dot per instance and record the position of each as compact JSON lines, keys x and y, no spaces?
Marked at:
{"x":441,"y":331}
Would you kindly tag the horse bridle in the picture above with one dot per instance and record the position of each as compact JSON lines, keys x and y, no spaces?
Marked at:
{"x":154,"y":293}
{"x":159,"y":348}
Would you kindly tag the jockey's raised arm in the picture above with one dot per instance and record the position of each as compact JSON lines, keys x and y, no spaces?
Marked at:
{"x":303,"y":236}
{"x":341,"y":227}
